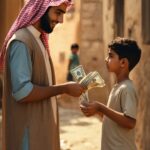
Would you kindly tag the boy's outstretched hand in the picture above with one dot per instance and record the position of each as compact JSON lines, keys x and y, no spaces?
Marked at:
{"x":90,"y":109}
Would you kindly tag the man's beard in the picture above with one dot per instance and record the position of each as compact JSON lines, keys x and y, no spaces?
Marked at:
{"x":45,"y":23}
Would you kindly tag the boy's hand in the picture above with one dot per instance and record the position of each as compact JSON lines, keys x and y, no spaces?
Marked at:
{"x":89,"y":109}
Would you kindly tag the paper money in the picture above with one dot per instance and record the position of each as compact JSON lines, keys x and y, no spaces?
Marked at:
{"x":84,"y":97}
{"x":92,"y":80}
{"x":78,"y":73}
{"x":89,"y":81}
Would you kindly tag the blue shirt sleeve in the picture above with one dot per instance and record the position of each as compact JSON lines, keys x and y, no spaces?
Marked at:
{"x":21,"y":70}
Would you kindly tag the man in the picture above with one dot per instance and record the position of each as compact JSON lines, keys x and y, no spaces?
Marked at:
{"x":30,"y":114}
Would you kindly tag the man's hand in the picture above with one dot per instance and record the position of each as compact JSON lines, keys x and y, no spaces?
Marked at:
{"x":41,"y":93}
{"x":73,"y":89}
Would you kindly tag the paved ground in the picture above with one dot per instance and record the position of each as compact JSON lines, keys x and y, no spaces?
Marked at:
{"x":76,"y":131}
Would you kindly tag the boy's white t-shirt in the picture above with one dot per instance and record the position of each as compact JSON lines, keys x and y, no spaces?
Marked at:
{"x":123,"y":98}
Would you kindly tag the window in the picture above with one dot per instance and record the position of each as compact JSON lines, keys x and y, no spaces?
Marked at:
{"x":146,"y":21}
{"x":119,"y":17}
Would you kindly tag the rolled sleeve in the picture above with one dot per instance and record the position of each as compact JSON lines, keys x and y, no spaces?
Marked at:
{"x":21,"y":70}
{"x":23,"y":92}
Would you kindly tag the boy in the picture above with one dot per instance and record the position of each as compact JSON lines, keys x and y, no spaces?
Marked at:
{"x":119,"y":116}
{"x":73,"y":60}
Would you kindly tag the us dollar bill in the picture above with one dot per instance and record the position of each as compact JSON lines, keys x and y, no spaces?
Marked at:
{"x":84,"y":97}
{"x":89,"y":81}
{"x":78,"y":73}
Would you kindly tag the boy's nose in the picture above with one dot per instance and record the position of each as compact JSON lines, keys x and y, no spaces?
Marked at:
{"x":106,"y":59}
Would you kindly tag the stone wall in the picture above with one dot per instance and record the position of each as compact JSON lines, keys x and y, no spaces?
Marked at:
{"x":91,"y":41}
{"x":141,"y":75}
{"x":108,"y":31}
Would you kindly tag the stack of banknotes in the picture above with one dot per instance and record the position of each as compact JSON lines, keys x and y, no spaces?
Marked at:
{"x":92,"y":80}
{"x":89,"y":81}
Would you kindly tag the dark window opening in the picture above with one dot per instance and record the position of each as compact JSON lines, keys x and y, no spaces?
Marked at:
{"x":146,"y":21}
{"x":119,"y":17}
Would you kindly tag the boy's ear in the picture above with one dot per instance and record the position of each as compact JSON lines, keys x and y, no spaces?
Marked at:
{"x":124,"y":62}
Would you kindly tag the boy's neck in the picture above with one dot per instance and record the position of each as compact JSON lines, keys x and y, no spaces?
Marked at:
{"x":122,"y":76}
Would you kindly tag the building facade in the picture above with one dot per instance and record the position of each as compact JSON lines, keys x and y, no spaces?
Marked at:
{"x":93,"y":24}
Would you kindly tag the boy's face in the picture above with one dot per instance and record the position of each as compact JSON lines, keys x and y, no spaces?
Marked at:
{"x":113,"y":62}
{"x":74,"y":50}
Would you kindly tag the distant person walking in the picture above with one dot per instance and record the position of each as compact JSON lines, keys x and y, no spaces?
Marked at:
{"x":73,"y":60}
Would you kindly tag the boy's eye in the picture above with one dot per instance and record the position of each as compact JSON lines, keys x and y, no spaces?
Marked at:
{"x":110,"y":56}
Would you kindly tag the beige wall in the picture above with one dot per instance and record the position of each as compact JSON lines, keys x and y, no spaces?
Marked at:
{"x":108,"y":31}
{"x":8,"y":12}
{"x":141,"y":75}
{"x":91,"y":41}
{"x":61,"y":39}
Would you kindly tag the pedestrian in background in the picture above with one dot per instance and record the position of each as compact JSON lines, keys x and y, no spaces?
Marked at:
{"x":73,"y":60}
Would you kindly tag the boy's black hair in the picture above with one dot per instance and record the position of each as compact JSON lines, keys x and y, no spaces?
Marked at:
{"x":75,"y":45}
{"x":126,"y":48}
